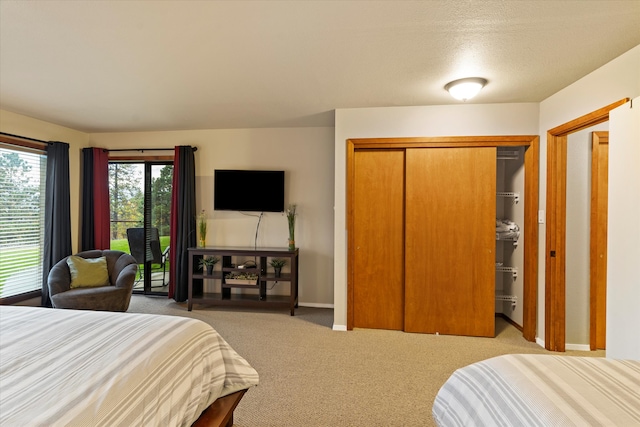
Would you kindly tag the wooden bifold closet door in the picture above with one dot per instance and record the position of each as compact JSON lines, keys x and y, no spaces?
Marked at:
{"x":450,"y":241}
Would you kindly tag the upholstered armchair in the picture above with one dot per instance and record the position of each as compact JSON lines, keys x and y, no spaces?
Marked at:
{"x":112,"y":293}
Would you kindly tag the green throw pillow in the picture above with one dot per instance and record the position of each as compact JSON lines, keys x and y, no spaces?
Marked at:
{"x":88,"y":272}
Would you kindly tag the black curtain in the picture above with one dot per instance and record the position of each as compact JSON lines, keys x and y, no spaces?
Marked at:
{"x":88,"y":219}
{"x":57,"y":211}
{"x":183,"y":220}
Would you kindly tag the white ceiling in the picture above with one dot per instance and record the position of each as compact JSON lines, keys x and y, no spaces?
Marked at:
{"x":105,"y":66}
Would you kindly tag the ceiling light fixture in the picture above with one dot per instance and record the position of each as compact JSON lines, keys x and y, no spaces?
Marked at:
{"x":465,"y":89}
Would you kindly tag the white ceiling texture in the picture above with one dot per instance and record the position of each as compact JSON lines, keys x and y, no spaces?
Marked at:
{"x":111,"y":65}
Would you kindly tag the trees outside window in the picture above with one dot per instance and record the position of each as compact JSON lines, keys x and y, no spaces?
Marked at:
{"x":126,"y":197}
{"x":22,"y":185}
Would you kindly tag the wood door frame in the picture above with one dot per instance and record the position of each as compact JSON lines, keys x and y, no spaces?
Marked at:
{"x":598,"y":239}
{"x":556,"y":234}
{"x":531,"y":194}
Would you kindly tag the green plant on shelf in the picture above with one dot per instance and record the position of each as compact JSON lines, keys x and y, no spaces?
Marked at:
{"x":208,"y":261}
{"x":278,"y":262}
{"x":242,"y":276}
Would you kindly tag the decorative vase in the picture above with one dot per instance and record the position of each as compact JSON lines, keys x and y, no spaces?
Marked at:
{"x":292,"y":245}
{"x":209,"y":270}
{"x":202,"y":243}
{"x":278,"y":271}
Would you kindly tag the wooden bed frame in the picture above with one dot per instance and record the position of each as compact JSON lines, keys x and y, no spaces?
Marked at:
{"x":220,"y":412}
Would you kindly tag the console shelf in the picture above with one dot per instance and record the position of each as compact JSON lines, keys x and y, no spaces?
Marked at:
{"x":230,"y":254}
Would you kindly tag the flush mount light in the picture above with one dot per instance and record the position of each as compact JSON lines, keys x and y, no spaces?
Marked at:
{"x":465,"y":89}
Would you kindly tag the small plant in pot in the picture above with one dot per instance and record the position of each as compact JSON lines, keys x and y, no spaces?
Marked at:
{"x":277,"y":264}
{"x":207,"y":263}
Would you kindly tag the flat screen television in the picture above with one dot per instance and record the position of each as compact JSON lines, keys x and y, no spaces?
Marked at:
{"x":248,"y":190}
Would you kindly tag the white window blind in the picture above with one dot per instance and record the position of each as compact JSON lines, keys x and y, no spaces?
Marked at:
{"x":22,"y":184}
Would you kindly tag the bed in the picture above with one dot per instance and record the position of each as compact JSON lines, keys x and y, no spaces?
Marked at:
{"x":541,"y":390}
{"x":72,"y":367}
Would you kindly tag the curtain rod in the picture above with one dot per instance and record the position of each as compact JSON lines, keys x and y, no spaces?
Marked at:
{"x":142,"y":150}
{"x":122,"y":149}
{"x":24,"y":137}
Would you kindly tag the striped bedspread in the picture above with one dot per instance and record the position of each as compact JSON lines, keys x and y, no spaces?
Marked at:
{"x":86,"y":368}
{"x":541,"y":390}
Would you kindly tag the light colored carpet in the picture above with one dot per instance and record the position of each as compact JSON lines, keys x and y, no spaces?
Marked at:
{"x":311,"y":375}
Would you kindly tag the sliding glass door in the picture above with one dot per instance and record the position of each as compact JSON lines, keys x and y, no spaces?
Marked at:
{"x":140,"y":203}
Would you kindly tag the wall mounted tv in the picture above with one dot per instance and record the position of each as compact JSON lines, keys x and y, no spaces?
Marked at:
{"x":248,"y":190}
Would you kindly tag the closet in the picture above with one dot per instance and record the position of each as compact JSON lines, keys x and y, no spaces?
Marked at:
{"x":509,"y":237}
{"x":421,"y":233}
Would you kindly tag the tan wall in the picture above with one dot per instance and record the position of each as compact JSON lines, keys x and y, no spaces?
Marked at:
{"x":306,"y":156}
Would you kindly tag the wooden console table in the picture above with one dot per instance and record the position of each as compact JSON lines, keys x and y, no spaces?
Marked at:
{"x":229,"y":264}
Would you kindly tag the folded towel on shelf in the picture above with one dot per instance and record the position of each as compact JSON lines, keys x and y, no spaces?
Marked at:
{"x":507,"y":230}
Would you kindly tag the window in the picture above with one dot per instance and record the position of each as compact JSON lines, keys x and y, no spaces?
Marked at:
{"x":22,"y":190}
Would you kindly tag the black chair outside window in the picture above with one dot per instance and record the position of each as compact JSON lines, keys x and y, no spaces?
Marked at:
{"x":151,"y":252}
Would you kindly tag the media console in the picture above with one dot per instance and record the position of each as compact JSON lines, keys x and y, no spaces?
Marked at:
{"x":229,"y":263}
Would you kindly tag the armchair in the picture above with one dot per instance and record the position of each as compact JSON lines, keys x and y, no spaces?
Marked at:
{"x":115,"y":296}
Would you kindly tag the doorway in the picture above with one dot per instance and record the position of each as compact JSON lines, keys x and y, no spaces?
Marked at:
{"x":555,"y":256}
{"x":140,"y":206}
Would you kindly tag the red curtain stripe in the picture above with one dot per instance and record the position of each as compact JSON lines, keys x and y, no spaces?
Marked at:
{"x":101,"y":198}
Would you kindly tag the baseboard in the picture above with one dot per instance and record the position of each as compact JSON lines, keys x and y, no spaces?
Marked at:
{"x":573,"y":347}
{"x":314,"y":305}
{"x":577,"y":347}
{"x":340,"y":328}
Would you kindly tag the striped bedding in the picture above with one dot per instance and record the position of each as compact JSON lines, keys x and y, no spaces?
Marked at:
{"x":87,"y":368}
{"x":541,"y":390}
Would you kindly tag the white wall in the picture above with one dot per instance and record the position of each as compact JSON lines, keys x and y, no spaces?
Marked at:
{"x":450,"y":120}
{"x":17,"y":124}
{"x":616,"y":80}
{"x":306,"y":156}
{"x":623,"y":248}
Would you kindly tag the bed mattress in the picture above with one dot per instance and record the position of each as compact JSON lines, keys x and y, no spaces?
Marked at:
{"x":87,"y":368}
{"x":541,"y":390}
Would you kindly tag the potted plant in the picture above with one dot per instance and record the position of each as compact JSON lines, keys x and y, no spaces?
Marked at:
{"x":202,"y":228}
{"x":241,"y":278}
{"x":291,"y":219}
{"x":277,"y":264}
{"x":208,"y":262}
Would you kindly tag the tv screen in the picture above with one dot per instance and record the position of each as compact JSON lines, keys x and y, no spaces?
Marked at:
{"x":248,"y":190}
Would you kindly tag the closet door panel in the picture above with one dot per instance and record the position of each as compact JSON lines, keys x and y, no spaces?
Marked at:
{"x":450,"y":241}
{"x":378,"y":209}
